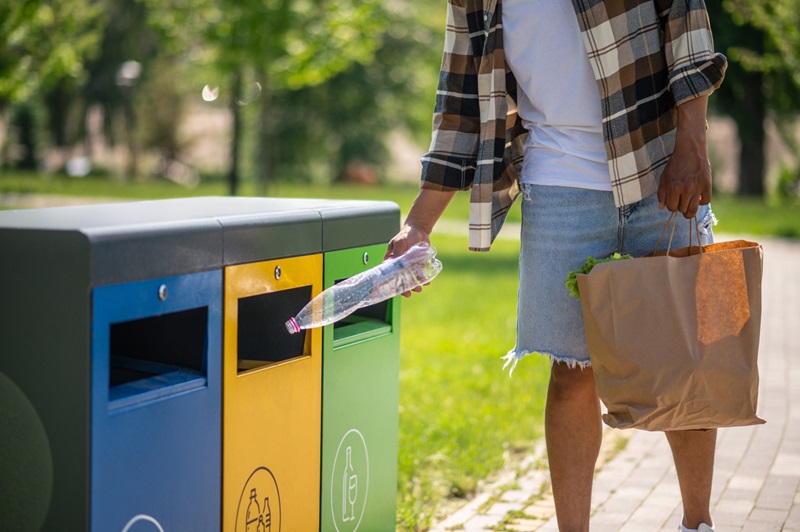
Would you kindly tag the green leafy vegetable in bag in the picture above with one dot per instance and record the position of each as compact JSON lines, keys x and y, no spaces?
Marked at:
{"x":571,"y":282}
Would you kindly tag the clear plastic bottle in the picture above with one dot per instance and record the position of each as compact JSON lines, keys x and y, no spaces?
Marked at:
{"x":415,"y":267}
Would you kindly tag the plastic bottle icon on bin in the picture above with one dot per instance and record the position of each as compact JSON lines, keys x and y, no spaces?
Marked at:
{"x":253,"y":513}
{"x":258,"y":518}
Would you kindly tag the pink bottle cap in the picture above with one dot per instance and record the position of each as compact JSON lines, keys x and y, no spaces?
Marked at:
{"x":292,"y":326}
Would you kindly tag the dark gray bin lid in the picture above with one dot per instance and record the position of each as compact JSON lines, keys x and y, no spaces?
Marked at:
{"x":260,"y":232}
{"x":146,"y":239}
{"x":131,"y":241}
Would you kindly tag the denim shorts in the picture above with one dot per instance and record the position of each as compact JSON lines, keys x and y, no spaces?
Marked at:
{"x":561,"y":226}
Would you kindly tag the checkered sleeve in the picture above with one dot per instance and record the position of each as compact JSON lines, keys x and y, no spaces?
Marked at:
{"x":450,"y":163}
{"x":694,"y":68}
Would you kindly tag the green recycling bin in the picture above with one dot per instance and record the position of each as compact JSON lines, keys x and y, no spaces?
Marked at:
{"x":360,"y":395}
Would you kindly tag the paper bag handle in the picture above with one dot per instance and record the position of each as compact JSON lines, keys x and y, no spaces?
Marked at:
{"x":673,"y":219}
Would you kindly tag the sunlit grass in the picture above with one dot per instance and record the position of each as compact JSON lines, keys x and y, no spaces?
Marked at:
{"x":459,"y":413}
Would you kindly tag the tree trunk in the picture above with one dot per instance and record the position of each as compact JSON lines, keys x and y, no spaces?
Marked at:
{"x":750,"y":115}
{"x":236,"y":133}
{"x":129,"y":114}
{"x":265,"y":140}
{"x":26,"y":136}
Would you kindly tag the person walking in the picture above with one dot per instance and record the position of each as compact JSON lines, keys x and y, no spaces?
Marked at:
{"x":594,"y":112}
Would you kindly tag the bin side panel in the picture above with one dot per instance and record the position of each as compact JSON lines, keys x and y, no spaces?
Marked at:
{"x":360,"y":413}
{"x":158,"y":459}
{"x":44,"y":369}
{"x":271,"y":413}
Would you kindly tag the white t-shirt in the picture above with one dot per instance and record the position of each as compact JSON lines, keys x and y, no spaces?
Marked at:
{"x":557,"y":95}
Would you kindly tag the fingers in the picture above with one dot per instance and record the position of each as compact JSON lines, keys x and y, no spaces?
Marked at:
{"x":685,"y":203}
{"x":705,"y":197}
{"x":683,"y":195}
{"x":691,"y":208}
{"x":405,"y":239}
{"x":397,"y":246}
{"x":415,"y":289}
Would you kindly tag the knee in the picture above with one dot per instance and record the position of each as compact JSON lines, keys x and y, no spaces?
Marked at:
{"x":571,"y":381}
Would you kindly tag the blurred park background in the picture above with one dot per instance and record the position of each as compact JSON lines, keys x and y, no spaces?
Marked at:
{"x":107,"y":100}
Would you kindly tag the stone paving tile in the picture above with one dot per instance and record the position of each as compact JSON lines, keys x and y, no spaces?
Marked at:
{"x":769,"y":519}
{"x":793,"y":520}
{"x":481,"y":522}
{"x":757,"y":471}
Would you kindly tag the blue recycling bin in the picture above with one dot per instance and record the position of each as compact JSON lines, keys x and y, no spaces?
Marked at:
{"x":156,"y":404}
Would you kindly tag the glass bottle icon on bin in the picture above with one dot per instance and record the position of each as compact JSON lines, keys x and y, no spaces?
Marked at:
{"x":267,"y":516}
{"x":349,"y":487}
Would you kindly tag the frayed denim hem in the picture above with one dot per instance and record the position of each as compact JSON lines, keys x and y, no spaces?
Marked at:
{"x":708,"y":221}
{"x":514,"y":356}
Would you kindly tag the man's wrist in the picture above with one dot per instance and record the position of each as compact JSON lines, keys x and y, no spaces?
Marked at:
{"x":692,"y":117}
{"x":420,"y":226}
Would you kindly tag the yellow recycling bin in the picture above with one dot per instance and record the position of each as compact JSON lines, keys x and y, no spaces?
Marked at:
{"x":271,"y":398}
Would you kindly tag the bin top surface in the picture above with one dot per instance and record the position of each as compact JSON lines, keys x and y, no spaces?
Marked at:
{"x":115,"y":217}
{"x":148,"y":239}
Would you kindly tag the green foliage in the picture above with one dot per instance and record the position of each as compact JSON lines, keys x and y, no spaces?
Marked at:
{"x":281,"y":47}
{"x":762,"y":37}
{"x":295,"y":43}
{"x":779,"y":22}
{"x":571,"y":282}
{"x":42,"y":42}
{"x":788,"y":186}
{"x":348,"y":117}
{"x":762,"y":42}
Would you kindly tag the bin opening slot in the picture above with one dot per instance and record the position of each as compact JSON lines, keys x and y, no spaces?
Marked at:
{"x":159,"y":352}
{"x":363,"y":323}
{"x":262,"y":335}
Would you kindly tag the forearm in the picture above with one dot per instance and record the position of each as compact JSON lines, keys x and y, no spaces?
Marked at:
{"x":692,"y":117}
{"x":428,"y":207}
{"x":686,"y":181}
{"x":425,"y":212}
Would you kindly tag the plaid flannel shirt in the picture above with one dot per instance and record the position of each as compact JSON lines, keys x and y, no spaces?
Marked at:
{"x":648,"y":57}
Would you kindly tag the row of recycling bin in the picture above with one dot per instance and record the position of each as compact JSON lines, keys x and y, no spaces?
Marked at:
{"x":148,"y":382}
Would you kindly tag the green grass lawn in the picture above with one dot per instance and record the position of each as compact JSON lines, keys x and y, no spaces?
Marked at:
{"x":460,"y":415}
{"x":461,"y":418}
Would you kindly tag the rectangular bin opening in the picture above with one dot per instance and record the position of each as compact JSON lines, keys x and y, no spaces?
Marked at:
{"x":157,"y":356}
{"x":262,"y":335}
{"x":367,"y":322}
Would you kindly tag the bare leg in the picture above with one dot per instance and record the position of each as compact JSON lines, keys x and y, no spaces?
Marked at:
{"x":693,"y":452}
{"x":573,"y":434}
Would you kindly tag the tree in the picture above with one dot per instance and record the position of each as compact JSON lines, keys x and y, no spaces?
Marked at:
{"x":128,"y":48}
{"x":762,"y":42}
{"x":42,"y":42}
{"x":347,"y":119}
{"x":282,"y":45}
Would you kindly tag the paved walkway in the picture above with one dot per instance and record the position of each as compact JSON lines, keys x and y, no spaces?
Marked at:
{"x":757,"y":473}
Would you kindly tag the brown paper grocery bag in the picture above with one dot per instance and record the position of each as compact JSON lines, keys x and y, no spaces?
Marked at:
{"x":673,"y":338}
